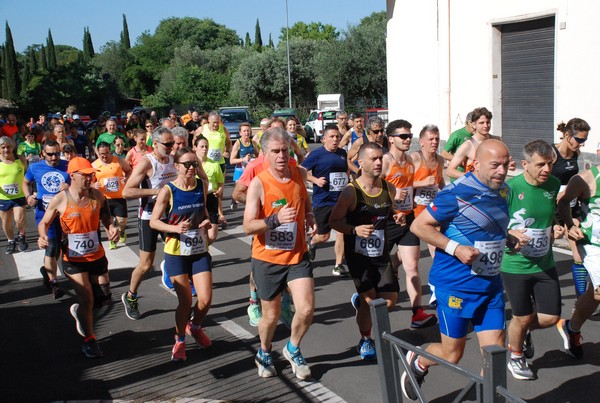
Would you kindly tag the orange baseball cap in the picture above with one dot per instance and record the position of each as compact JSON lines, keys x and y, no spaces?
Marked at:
{"x":80,"y":164}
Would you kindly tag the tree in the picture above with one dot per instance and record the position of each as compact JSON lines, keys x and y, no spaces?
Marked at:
{"x":258,"y":43}
{"x":43,"y":59}
{"x":111,"y":63}
{"x":26,"y":75}
{"x":50,"y":52}
{"x":11,"y":67}
{"x":32,"y":59}
{"x":341,"y":66}
{"x":314,"y":30}
{"x":248,"y":42}
{"x":271,"y":45}
{"x":88,"y":46}
{"x":125,"y":34}
{"x":2,"y":80}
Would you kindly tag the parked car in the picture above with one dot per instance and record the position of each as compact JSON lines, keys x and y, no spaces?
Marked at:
{"x":232,"y":116}
{"x":316,"y":123}
{"x":285,"y":113}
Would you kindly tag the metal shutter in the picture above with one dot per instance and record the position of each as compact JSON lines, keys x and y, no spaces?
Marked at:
{"x":527,"y":56}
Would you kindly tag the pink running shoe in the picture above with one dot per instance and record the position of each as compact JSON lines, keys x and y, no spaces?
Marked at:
{"x":198,"y":334}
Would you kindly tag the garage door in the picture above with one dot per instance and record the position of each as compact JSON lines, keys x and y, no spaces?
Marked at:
{"x":527,"y":83}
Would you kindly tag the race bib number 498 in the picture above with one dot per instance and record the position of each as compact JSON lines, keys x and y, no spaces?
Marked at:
{"x":490,"y":258}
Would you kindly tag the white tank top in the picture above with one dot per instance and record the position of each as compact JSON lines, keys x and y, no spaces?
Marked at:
{"x":162,"y":174}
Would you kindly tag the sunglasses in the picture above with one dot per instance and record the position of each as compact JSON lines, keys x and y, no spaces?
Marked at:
{"x":168,"y":145}
{"x":377,"y":131}
{"x":52,"y":154}
{"x":148,"y":125}
{"x":403,"y":136}
{"x":189,"y":164}
{"x":579,"y":140}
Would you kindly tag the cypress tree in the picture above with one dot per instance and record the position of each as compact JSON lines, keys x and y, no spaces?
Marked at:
{"x":90,"y":44}
{"x":271,"y":45}
{"x":88,"y":47}
{"x":125,"y":34}
{"x":11,"y":67}
{"x":51,"y":52}
{"x":248,"y":41}
{"x":258,"y":43}
{"x":33,"y":61}
{"x":26,"y":76}
{"x":43,"y":59}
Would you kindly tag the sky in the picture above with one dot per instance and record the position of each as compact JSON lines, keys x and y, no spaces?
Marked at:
{"x":29,"y":20}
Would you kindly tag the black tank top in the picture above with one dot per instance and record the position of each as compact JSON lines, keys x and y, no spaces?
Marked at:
{"x":565,"y":169}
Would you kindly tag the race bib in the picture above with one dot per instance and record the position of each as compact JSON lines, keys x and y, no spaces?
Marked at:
{"x":282,"y":237}
{"x":193,"y":242}
{"x":539,"y":244}
{"x":337,"y":181}
{"x":407,"y":203}
{"x":490,"y":258}
{"x":33,"y":159}
{"x":81,"y":245}
{"x":215,"y":154}
{"x":424,"y":195}
{"x":112,"y":184}
{"x":371,"y":246}
{"x":11,"y":189}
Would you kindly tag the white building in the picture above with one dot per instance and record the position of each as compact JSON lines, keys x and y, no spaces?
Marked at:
{"x":532,"y":63}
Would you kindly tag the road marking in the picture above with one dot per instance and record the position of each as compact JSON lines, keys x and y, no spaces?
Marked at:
{"x":316,"y":389}
{"x":562,"y":251}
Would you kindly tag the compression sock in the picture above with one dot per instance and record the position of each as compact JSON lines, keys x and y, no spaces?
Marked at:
{"x":579,"y":277}
{"x":291,"y":348}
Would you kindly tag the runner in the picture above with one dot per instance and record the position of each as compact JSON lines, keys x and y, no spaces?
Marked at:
{"x":276,"y":208}
{"x":529,"y":276}
{"x":12,"y":198}
{"x":243,"y":151}
{"x":140,"y":149}
{"x":361,"y":214}
{"x":328,"y":170}
{"x":356,"y":132}
{"x":153,"y":172}
{"x":399,"y":169}
{"x":49,"y":178}
{"x":186,"y":247}
{"x":375,"y":133}
{"x":111,"y":174}
{"x":80,"y":210}
{"x":428,"y":179}
{"x":586,"y":188}
{"x":473,"y":216}
{"x":456,"y":139}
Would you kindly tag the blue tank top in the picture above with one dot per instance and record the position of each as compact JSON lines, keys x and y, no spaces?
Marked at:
{"x":245,"y":150}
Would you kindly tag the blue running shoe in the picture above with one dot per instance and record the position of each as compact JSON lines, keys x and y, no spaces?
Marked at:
{"x":355,"y":301}
{"x":366,"y":349}
{"x":166,"y":281}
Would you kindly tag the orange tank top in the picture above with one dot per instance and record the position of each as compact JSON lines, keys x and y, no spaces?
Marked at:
{"x":424,"y":195}
{"x":402,"y":177}
{"x":285,"y":244}
{"x":110,"y":177}
{"x":81,"y":231}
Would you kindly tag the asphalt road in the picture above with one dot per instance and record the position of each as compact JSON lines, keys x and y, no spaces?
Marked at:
{"x":42,"y":359}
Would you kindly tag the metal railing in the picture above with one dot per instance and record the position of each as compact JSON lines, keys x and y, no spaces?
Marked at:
{"x":489,"y":388}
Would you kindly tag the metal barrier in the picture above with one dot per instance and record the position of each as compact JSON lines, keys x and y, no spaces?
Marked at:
{"x":491,"y":388}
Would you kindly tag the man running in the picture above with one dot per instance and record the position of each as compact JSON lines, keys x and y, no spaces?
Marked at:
{"x":361,"y":214}
{"x":80,"y":210}
{"x":473,"y":216}
{"x":328,"y":171}
{"x":278,"y":212}
{"x":50,"y":177}
{"x":529,"y":276}
{"x":153,"y":172}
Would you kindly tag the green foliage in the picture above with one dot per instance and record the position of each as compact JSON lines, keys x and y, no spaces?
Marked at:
{"x":247,"y":42}
{"x":66,"y":54}
{"x":125,"y":42}
{"x":355,"y":65}
{"x":11,"y":67}
{"x":32,"y":59}
{"x":43,"y":59}
{"x":112,"y":64}
{"x":88,"y":46}
{"x":50,"y":52}
{"x":314,"y":30}
{"x":258,"y":43}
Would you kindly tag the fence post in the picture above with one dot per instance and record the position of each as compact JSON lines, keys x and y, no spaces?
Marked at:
{"x":387,"y":362}
{"x":494,"y":372}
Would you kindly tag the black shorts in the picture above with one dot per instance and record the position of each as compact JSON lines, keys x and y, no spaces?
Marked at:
{"x":322,"y":219}
{"x":117,"y":207}
{"x":212,"y":205}
{"x":539,"y":289}
{"x":371,"y":272}
{"x":53,"y":248}
{"x":94,"y":268}
{"x":271,"y":279}
{"x":401,"y":234}
{"x":148,"y":236}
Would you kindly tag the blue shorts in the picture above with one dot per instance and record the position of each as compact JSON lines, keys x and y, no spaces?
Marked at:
{"x":190,"y":265}
{"x":7,"y":205}
{"x":457,"y":309}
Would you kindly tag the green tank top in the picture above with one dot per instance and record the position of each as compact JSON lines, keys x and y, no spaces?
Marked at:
{"x":590,"y":213}
{"x":11,"y":180}
{"x":531,"y":207}
{"x":216,"y":143}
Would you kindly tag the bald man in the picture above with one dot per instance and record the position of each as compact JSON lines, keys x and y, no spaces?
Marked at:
{"x":465,"y":277}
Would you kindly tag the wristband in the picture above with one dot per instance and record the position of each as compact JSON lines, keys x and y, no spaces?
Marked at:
{"x":272,"y":221}
{"x":354,"y":231}
{"x":451,"y":247}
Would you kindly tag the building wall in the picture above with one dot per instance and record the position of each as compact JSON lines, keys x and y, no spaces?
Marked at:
{"x":443,"y":60}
